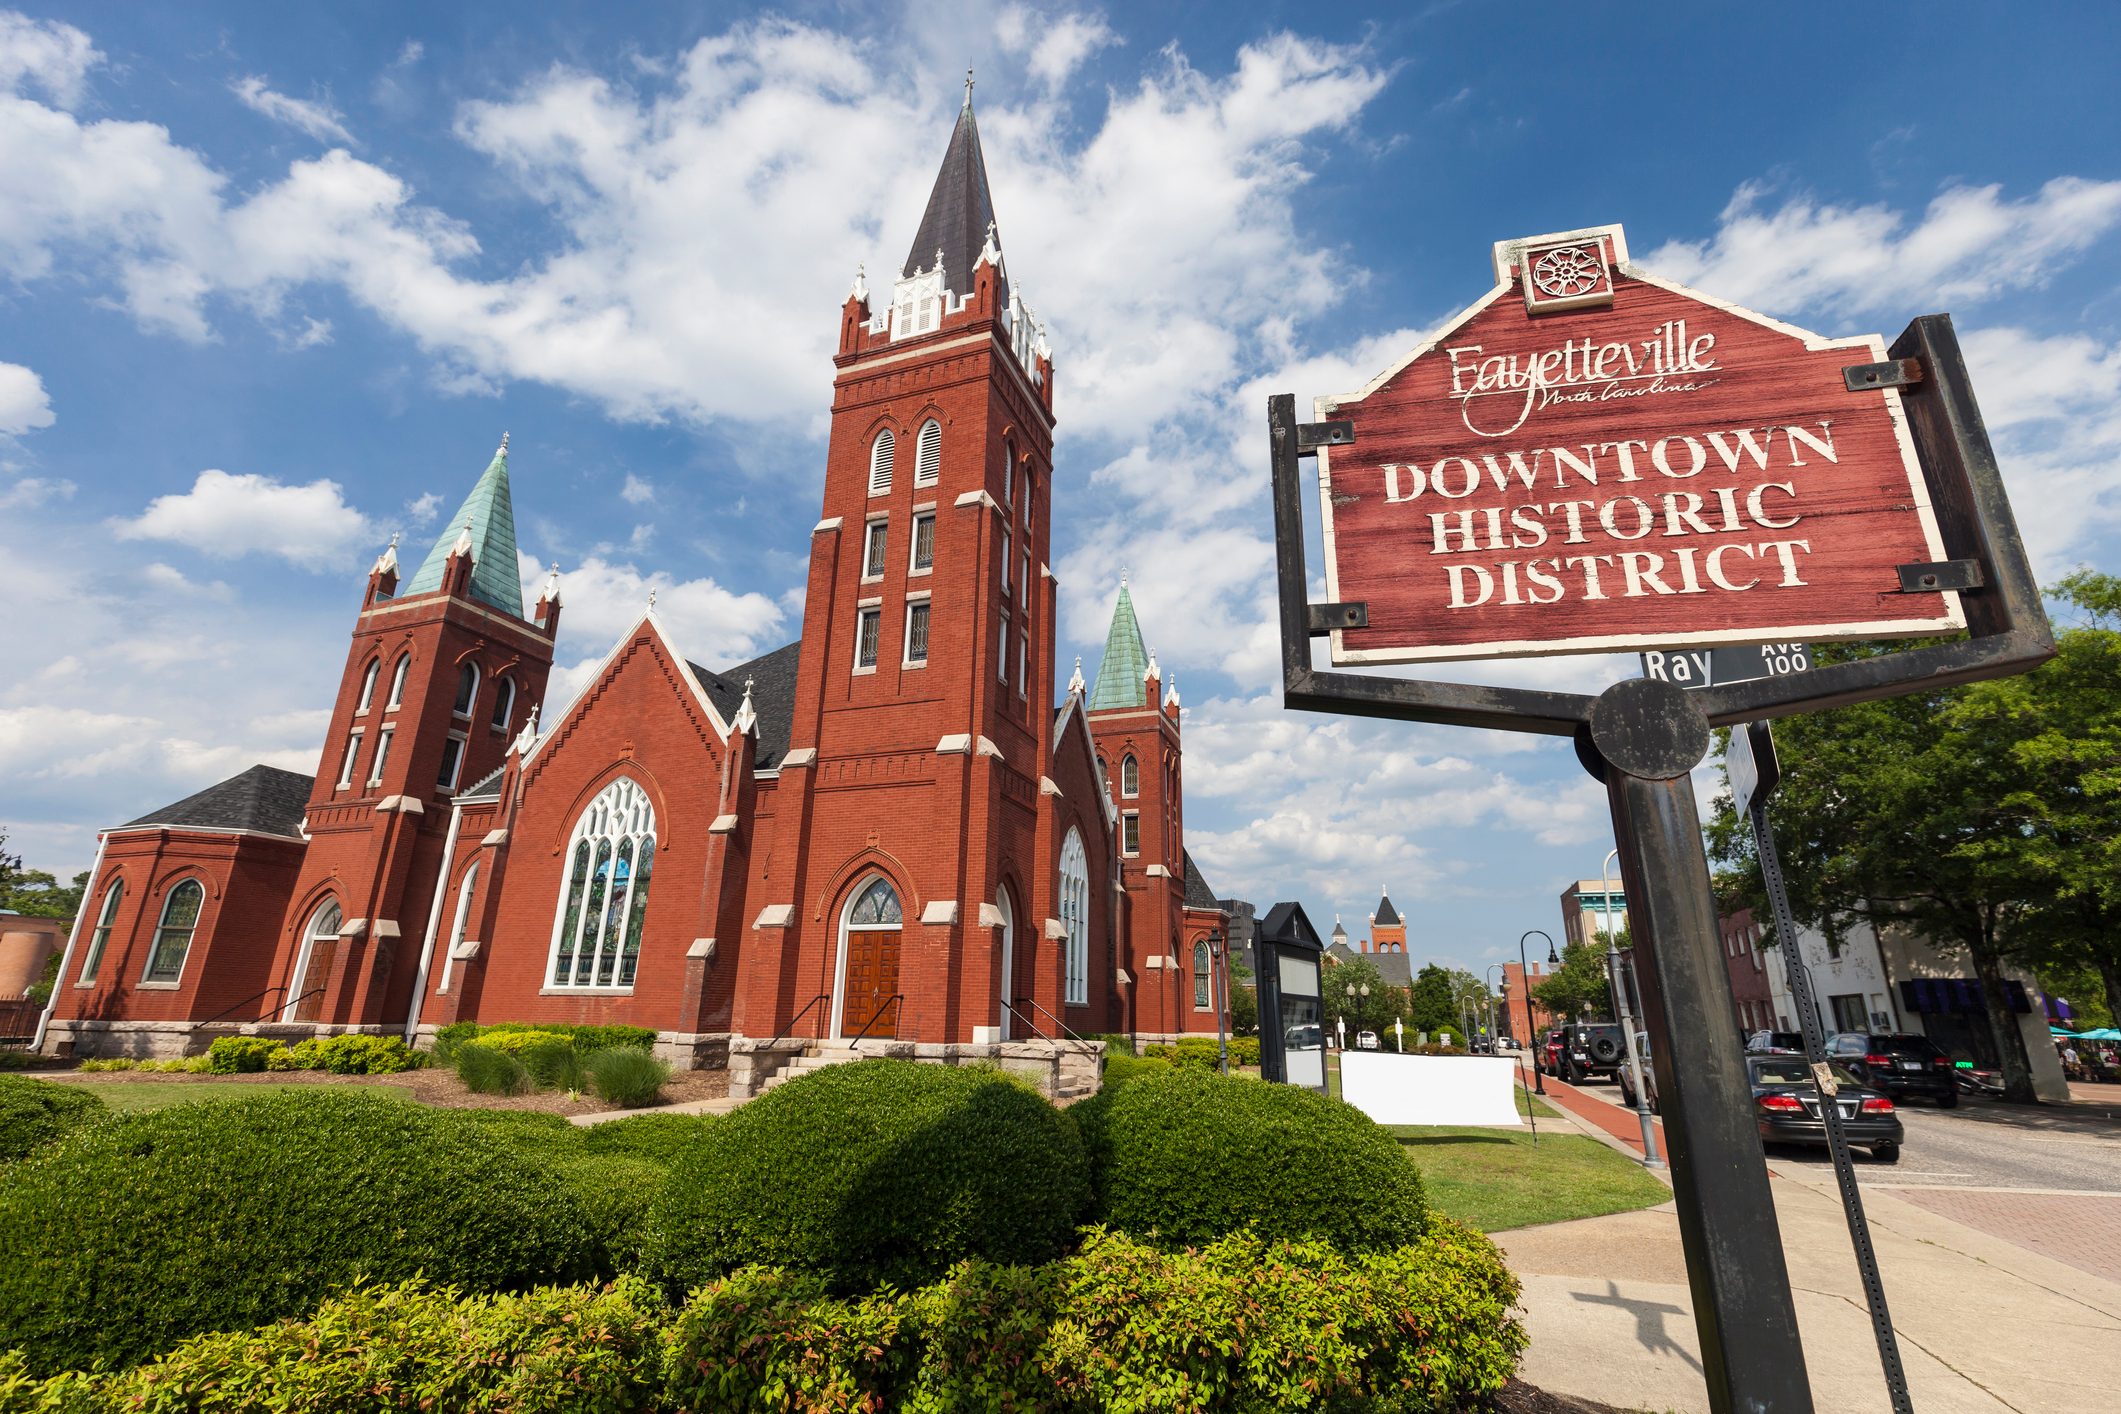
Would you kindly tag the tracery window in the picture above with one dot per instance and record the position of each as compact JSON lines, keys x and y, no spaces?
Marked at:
{"x":180,"y":917}
{"x":596,"y":940}
{"x":1130,"y":776}
{"x":1203,"y":971}
{"x":1075,"y":917}
{"x":106,"y":919}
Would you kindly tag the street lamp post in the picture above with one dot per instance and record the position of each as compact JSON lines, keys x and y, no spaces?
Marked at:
{"x":1531,"y":1024}
{"x":1220,"y":978}
{"x":1627,"y":1018}
{"x":1494,"y":1027}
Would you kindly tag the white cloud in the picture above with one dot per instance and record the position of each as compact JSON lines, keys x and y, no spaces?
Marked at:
{"x":636,"y":492}
{"x":318,"y":119}
{"x":422,"y":510}
{"x":1970,"y":244}
{"x":225,"y":515}
{"x":24,"y":405}
{"x":1054,"y":46}
{"x":2053,"y":407}
{"x":33,"y":491}
{"x":47,"y":55}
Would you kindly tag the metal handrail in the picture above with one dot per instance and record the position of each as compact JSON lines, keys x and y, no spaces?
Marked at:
{"x":316,"y":991}
{"x":875,"y":1016}
{"x":1049,"y":1016}
{"x":1029,"y":1024}
{"x":782,"y":1034}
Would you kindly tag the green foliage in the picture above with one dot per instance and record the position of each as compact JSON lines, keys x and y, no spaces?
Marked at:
{"x":769,"y":1340}
{"x":1432,"y":1002}
{"x":1116,"y":1042}
{"x":107,"y":1063}
{"x":242,"y":1055}
{"x":349,"y":1054}
{"x":488,"y":1071}
{"x":1244,"y":1002}
{"x":876,"y":1171}
{"x":1363,"y":1011}
{"x":553,"y":1350}
{"x":1203,"y":1053}
{"x":35,"y":1112}
{"x":133,"y":1233}
{"x":1579,"y":986}
{"x":36,"y":893}
{"x":587,"y":1039}
{"x":449,"y":1037}
{"x":627,"y":1076}
{"x":665,"y":1138}
{"x":1186,"y":1157}
{"x":1123,"y":1066}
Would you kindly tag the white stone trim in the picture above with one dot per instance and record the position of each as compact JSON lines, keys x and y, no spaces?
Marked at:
{"x":1056,"y":930}
{"x":1047,"y":786}
{"x":976,"y":498}
{"x":723,"y":825}
{"x":1154,"y":962}
{"x":353,"y":928}
{"x":464,"y":951}
{"x":988,"y":748}
{"x":1121,"y":976}
{"x":1157,"y":871}
{"x":801,"y":756}
{"x":828,"y":523}
{"x":775,"y":915}
{"x":956,"y":744}
{"x":494,"y":837}
{"x":386,"y":928}
{"x":942,"y":910}
{"x":991,"y":916}
{"x":701,"y":948}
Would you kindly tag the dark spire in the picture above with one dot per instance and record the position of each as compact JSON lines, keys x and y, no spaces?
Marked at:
{"x":960,"y":210}
{"x":1387,"y":916}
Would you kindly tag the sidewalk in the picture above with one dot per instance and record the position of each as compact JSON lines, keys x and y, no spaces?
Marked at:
{"x":1985,"y":1325}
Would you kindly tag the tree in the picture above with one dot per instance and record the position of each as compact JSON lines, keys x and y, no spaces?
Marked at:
{"x":1244,"y":1001}
{"x":1433,"y":1002}
{"x":1986,"y":818}
{"x":35,"y":892}
{"x":1580,"y":985}
{"x":1366,"y":1010}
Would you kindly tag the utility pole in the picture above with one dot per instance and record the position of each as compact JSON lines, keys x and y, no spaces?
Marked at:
{"x":1623,"y":1009}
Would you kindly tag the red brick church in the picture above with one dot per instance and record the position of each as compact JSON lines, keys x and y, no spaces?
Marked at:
{"x":884,"y":830}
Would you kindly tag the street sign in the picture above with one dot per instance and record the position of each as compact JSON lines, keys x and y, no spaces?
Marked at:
{"x":1711,"y":667}
{"x":1751,"y":764}
{"x":1592,"y":459}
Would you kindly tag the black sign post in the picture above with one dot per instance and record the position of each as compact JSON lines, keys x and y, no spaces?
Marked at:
{"x":1642,"y":738}
{"x":1755,"y":772}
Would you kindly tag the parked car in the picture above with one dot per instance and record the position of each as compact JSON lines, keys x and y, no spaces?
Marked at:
{"x":1366,"y":1040}
{"x":1548,"y":1057}
{"x":1649,"y":1075}
{"x":1786,"y":1102}
{"x":1775,"y":1043}
{"x":1590,"y":1049}
{"x":1505,"y":1043}
{"x":1899,"y":1065}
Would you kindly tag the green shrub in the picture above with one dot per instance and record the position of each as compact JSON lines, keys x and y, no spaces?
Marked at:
{"x":627,"y":1076}
{"x":1117,"y":1043}
{"x":108,"y":1063}
{"x":486,"y":1071}
{"x":354,"y":1054}
{"x":1124,"y":1067}
{"x":549,"y":1056}
{"x":664,"y":1138}
{"x":1184,"y":1157}
{"x":35,"y":1112}
{"x":149,"y":1227}
{"x":242,"y":1055}
{"x":769,"y":1340}
{"x":532,"y":1132}
{"x":449,"y":1037}
{"x":876,"y":1171}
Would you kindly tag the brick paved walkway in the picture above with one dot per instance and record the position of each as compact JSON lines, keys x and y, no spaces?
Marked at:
{"x":1610,"y":1118}
{"x":2083,"y":1230}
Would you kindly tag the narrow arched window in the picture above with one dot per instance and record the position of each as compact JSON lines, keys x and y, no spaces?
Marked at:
{"x":881,"y":456}
{"x":928,"y":454}
{"x":180,"y":916}
{"x":311,"y":969}
{"x":1075,"y":917}
{"x":397,"y":682}
{"x":459,"y":924}
{"x":1203,"y":973}
{"x":368,"y":683}
{"x":504,"y":703}
{"x":106,"y":919}
{"x":467,"y":689}
{"x":596,"y":939}
{"x":1130,"y":776}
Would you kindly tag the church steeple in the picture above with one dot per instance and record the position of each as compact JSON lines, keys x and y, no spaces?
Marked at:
{"x":488,"y":517}
{"x":1121,"y":673}
{"x":960,"y":211}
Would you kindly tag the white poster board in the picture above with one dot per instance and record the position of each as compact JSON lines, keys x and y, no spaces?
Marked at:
{"x":1461,"y":1090}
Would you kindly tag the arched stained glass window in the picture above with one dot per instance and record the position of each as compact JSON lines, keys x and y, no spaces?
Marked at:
{"x":397,"y":683}
{"x":877,"y":907}
{"x":1075,"y":917}
{"x":368,"y":683}
{"x":467,"y":689}
{"x":596,"y":939}
{"x":106,"y":919}
{"x":504,"y":703}
{"x":1203,"y":972}
{"x":180,"y":916}
{"x":1130,"y":776}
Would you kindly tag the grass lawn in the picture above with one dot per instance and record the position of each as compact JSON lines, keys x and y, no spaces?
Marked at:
{"x":121,"y":1094}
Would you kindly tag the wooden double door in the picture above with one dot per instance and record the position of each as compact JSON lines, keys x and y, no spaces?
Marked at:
{"x":870,"y":1005}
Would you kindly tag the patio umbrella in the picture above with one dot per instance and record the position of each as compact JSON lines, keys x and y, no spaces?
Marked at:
{"x":2053,"y":1030}
{"x":2100,"y":1033}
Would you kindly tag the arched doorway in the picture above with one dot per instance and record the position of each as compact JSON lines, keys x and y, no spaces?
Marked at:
{"x":1008,"y":969}
{"x":865,"y":1003}
{"x":320,"y":946}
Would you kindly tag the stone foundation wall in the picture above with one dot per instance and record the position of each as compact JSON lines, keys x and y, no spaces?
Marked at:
{"x":1062,"y":1070}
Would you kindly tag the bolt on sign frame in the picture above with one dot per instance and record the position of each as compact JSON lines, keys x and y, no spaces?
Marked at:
{"x":1641,"y":738}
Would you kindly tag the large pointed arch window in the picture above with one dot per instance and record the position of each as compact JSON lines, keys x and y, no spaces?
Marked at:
{"x":596,"y":939}
{"x":1075,"y":917}
{"x":1130,"y":778}
{"x":368,"y":685}
{"x":180,"y":917}
{"x":320,"y":944}
{"x":1203,"y":977}
{"x":397,"y":683}
{"x":99,"y":940}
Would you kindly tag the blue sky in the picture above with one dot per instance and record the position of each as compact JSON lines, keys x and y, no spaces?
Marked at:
{"x":274,"y":279}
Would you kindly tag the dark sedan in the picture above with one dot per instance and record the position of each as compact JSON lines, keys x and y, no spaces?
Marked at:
{"x":1786,"y":1102}
{"x":1898,"y":1065}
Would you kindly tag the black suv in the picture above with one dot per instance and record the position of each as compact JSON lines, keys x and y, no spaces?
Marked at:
{"x":1899,"y":1066}
{"x":1591,"y":1048}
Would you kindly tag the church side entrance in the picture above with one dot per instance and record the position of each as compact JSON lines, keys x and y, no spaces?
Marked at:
{"x":868,"y":1004}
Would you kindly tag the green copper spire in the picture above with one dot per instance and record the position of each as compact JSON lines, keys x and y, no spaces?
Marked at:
{"x":491,"y":517}
{"x":1119,"y":672}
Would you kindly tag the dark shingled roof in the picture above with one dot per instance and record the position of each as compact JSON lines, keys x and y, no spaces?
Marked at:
{"x":773,"y":680}
{"x":959,"y":209}
{"x":1395,"y":968}
{"x":1386,"y":914}
{"x":1198,"y":894}
{"x":264,"y":798}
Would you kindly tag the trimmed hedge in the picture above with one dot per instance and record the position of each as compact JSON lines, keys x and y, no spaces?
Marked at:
{"x":348,"y":1054}
{"x":665,"y":1139}
{"x":1240,"y":1325}
{"x":242,"y":1055}
{"x":872,"y":1172}
{"x":35,"y":1112}
{"x":587,"y":1039}
{"x":1184,"y":1157}
{"x":131,"y":1234}
{"x":1202,"y":1053}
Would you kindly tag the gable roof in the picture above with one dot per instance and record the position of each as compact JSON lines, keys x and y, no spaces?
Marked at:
{"x":490,"y":512}
{"x":960,"y":208}
{"x":1119,"y":672}
{"x":1198,"y":894}
{"x":773,"y":679}
{"x":264,"y":799}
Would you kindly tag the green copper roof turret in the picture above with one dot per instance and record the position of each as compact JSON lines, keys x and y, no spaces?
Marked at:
{"x":495,"y":578}
{"x":1119,"y":673}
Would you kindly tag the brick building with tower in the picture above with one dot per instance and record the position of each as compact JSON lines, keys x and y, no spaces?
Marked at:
{"x":899,"y":829}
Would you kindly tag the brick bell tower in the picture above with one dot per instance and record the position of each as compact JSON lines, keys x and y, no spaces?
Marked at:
{"x":438,"y":679}
{"x":924,"y":711}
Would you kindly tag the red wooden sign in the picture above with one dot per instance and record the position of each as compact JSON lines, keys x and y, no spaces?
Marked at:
{"x":1592,"y":459}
